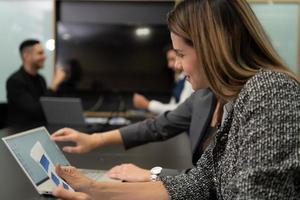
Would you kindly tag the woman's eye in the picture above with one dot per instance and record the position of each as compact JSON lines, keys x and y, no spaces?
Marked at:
{"x":180,"y":55}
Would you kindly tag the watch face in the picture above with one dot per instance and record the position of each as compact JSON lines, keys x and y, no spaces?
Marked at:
{"x":156,"y":170}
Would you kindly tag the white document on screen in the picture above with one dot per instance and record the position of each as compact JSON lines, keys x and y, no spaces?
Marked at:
{"x":39,"y":155}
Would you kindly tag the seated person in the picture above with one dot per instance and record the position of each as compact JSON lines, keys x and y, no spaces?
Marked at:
{"x":255,"y":152}
{"x":133,"y":173}
{"x":25,"y":86}
{"x":73,"y":70}
{"x":185,"y":118}
{"x":181,"y":91}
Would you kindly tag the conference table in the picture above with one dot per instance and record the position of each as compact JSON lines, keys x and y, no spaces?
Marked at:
{"x":173,"y":153}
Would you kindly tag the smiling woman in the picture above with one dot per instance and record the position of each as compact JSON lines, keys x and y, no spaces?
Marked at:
{"x":220,"y":44}
{"x":187,"y":59}
{"x":232,"y":46}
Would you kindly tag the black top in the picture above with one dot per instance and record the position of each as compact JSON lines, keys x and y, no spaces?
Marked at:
{"x":23,"y":93}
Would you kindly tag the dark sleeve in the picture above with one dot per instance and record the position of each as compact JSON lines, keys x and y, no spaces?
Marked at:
{"x":50,"y":93}
{"x":269,"y":139}
{"x":172,"y":172}
{"x":166,"y":125}
{"x":47,"y":91}
{"x":18,"y":95}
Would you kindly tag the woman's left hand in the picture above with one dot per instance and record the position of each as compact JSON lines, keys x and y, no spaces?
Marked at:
{"x":129,"y":173}
{"x":74,"y":178}
{"x":64,"y":194}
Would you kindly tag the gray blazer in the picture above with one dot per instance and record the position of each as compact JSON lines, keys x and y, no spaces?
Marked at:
{"x":192,"y":116}
{"x":256,"y":151}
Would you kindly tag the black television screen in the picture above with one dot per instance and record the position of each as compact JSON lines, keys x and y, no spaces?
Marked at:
{"x":116,"y":57}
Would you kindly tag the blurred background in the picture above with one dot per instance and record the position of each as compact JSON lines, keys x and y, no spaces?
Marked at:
{"x":117,"y":46}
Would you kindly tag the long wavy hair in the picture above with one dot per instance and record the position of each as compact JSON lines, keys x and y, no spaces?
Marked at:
{"x":229,"y":42}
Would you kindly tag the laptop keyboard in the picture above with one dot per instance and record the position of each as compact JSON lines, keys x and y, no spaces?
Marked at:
{"x":97,"y":175}
{"x":94,"y":174}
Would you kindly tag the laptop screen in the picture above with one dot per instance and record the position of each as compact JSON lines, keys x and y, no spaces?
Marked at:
{"x":61,"y":110}
{"x":21,"y":144}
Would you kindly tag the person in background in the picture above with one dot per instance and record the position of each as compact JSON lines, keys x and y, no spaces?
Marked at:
{"x":181,"y":91}
{"x":255,"y":151}
{"x":73,"y":71}
{"x":25,"y":86}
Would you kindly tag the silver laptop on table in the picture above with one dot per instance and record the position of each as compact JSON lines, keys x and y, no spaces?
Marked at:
{"x":67,"y":111}
{"x":20,"y":145}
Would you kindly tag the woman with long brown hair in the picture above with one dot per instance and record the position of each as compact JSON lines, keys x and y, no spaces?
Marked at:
{"x":255,"y":152}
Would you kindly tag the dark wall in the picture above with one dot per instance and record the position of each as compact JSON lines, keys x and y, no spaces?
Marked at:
{"x":139,"y":67}
{"x":114,"y":12}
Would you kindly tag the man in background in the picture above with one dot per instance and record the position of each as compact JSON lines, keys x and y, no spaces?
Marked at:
{"x":25,"y":86}
{"x":181,"y":91}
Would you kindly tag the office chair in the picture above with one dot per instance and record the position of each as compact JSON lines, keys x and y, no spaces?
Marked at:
{"x":3,"y":115}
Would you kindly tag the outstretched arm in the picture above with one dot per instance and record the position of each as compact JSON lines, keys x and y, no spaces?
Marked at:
{"x":85,"y":142}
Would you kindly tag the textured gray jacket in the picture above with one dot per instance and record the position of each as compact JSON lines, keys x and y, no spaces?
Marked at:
{"x":256,"y":152}
{"x":192,"y":116}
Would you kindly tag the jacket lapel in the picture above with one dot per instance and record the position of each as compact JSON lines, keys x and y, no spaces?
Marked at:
{"x":202,"y":113}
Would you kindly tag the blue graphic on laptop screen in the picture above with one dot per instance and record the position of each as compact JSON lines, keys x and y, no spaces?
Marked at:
{"x":65,"y":186}
{"x":45,"y":162}
{"x":55,"y":179}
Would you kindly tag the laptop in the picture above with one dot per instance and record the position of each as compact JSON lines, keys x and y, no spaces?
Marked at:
{"x":20,"y":146}
{"x":67,"y":111}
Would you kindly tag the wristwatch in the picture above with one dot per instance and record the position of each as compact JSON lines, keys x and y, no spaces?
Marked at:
{"x":154,"y":173}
